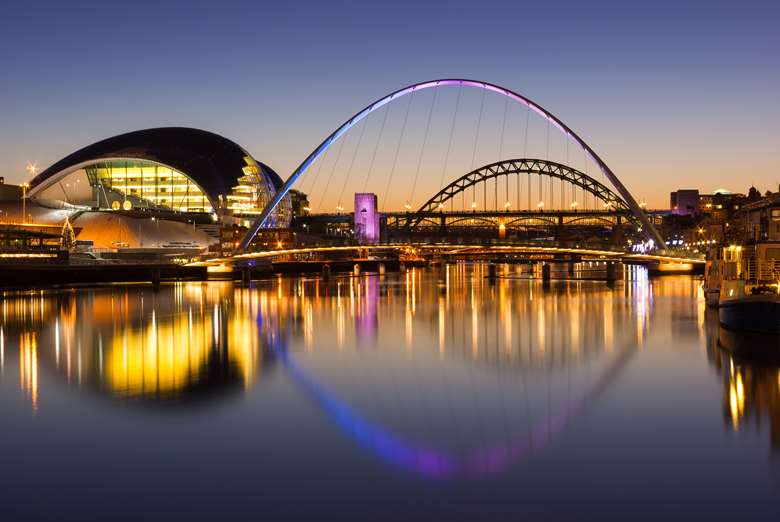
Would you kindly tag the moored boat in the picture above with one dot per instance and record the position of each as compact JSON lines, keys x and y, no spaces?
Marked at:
{"x":750,"y":288}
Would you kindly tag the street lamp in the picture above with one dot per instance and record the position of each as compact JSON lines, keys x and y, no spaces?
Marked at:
{"x":24,"y":202}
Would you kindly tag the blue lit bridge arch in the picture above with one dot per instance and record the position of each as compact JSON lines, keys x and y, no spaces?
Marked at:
{"x":262,"y":219}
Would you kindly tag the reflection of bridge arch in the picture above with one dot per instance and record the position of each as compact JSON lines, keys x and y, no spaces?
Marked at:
{"x":622,"y":190}
{"x":526,"y":166}
{"x":433,"y":462}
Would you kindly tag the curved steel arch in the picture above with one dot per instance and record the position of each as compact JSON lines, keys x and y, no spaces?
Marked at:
{"x":531,"y":221}
{"x":525,"y":166}
{"x":479,"y":220}
{"x":595,"y":221}
{"x":570,"y":134}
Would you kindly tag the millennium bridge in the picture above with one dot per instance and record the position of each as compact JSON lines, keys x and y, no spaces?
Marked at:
{"x":521,"y":206}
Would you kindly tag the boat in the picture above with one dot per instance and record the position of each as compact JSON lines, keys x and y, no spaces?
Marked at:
{"x":749,"y":298}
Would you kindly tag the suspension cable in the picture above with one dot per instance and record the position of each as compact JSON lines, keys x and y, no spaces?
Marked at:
{"x":317,"y":173}
{"x":525,"y":150}
{"x":352,"y":161}
{"x":476,"y":141}
{"x":503,"y":130}
{"x":501,"y":148}
{"x":452,"y":131}
{"x":332,"y":170}
{"x":376,"y":147}
{"x":424,"y":142}
{"x":397,"y":150}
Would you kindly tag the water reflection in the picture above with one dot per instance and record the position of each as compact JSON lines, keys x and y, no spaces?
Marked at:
{"x":749,"y":364}
{"x":134,"y":343}
{"x":440,"y":372}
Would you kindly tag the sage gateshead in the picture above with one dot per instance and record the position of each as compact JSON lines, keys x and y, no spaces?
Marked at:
{"x":164,"y":171}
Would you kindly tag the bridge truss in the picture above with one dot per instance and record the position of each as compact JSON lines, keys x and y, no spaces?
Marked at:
{"x":433,"y":212}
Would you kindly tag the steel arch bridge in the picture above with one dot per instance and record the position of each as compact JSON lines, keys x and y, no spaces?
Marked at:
{"x":261,"y":221}
{"x":613,"y":203}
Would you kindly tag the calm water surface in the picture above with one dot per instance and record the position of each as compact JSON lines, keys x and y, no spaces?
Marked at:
{"x":432,"y":394}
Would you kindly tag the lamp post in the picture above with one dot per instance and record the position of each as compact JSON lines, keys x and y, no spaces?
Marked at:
{"x":24,"y":202}
{"x":32,"y":169}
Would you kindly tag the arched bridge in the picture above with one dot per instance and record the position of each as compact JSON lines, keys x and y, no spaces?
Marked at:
{"x":613,"y":205}
{"x":262,"y":220}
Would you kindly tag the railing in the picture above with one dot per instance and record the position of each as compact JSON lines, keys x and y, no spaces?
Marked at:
{"x":762,"y":269}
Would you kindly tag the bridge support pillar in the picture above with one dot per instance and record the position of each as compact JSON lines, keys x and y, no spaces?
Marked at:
{"x":356,"y":269}
{"x":156,"y":276}
{"x":546,"y":271}
{"x":246,"y":275}
{"x":326,"y":272}
{"x":611,"y":271}
{"x":492,"y":271}
{"x":570,"y":268}
{"x":381,"y":268}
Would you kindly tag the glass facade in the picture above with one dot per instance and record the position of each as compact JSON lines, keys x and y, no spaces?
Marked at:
{"x":145,"y":184}
{"x":125,"y":184}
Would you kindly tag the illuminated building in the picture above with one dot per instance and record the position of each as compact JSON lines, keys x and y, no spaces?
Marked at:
{"x":172,"y":174}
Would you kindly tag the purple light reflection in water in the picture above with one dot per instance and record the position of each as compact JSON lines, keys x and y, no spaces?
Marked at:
{"x":435,"y":463}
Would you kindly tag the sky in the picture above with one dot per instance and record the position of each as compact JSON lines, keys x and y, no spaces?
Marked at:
{"x":670,"y":94}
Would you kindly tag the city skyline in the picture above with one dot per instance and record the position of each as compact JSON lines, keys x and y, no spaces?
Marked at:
{"x":659,"y":94}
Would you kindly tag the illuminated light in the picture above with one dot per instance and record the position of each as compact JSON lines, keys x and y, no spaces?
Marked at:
{"x":473,"y":204}
{"x":278,"y":244}
{"x":32,"y":168}
{"x":27,"y":255}
{"x":507,"y":204}
{"x":573,"y":204}
{"x":540,"y":204}
{"x":407,"y":206}
{"x":307,"y":209}
{"x":339,"y":208}
{"x":502,"y":226}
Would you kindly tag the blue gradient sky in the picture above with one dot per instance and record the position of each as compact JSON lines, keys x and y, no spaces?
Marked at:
{"x":663,"y":91}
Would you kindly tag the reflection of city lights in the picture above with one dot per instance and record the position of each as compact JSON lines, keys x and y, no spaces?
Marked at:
{"x":736,"y":398}
{"x":28,"y":367}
